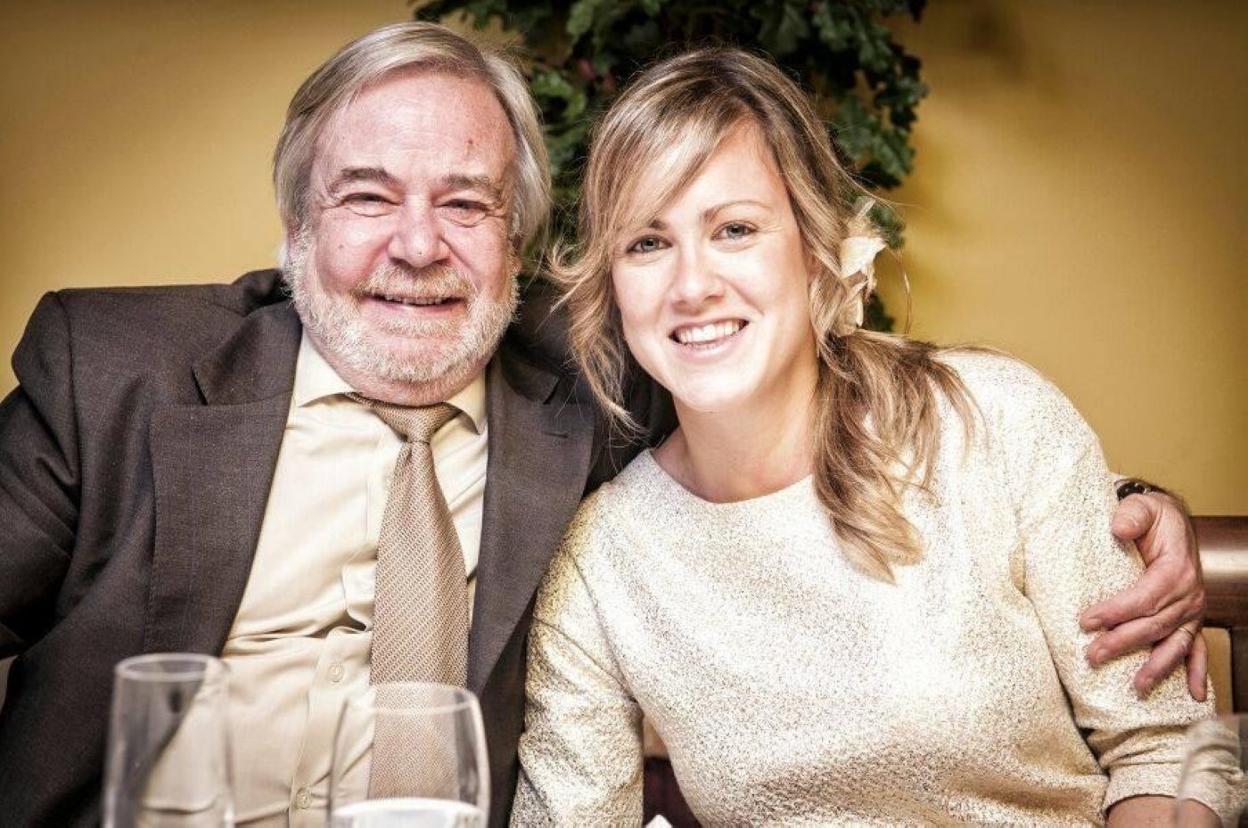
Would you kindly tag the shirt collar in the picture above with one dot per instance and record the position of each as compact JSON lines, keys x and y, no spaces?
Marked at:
{"x":471,"y":401}
{"x":316,"y":380}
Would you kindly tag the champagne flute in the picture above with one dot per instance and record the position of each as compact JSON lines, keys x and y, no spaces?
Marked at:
{"x":1213,"y":787}
{"x":168,"y":762}
{"x":410,"y":755}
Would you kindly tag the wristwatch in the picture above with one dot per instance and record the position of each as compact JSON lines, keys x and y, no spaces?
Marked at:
{"x":1129,"y":486}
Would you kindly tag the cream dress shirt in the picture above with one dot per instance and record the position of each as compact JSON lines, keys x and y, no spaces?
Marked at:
{"x":791,"y":689}
{"x":300,"y":643}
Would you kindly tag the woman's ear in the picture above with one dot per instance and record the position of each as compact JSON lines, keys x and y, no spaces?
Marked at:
{"x":813,"y":266}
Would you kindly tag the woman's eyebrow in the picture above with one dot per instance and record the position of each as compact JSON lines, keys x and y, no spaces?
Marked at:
{"x":709,"y":213}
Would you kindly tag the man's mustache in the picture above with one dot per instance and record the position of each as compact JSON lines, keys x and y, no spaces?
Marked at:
{"x":433,"y":282}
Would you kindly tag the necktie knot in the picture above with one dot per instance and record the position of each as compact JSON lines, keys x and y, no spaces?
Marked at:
{"x":416,"y":424}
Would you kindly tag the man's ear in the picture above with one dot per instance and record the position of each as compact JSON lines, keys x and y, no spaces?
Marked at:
{"x":515,"y":257}
{"x":283,"y":252}
{"x":290,"y":241}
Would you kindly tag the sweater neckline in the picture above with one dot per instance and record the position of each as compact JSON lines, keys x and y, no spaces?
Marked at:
{"x":795,"y":490}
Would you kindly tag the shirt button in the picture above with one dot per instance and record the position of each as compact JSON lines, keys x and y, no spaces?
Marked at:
{"x":303,"y":799}
{"x":336,"y":672}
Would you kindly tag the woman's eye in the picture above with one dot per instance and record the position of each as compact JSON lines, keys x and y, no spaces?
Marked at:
{"x":648,"y":244}
{"x":736,"y":230}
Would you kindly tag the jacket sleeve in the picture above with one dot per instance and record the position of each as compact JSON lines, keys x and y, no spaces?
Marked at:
{"x":39,"y":477}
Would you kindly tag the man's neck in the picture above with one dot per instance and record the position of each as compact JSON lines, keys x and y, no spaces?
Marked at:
{"x":406,"y":393}
{"x":414,"y":395}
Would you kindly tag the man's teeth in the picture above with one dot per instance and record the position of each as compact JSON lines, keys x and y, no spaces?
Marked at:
{"x":407,"y":300}
{"x":708,"y":333}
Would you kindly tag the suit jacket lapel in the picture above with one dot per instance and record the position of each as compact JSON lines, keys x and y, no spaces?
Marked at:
{"x":540,"y":446}
{"x":212,"y":466}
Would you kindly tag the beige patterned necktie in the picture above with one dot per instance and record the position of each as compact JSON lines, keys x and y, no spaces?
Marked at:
{"x":420,"y":616}
{"x":421,"y":606}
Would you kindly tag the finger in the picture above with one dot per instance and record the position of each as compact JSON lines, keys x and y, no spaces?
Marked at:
{"x":1169,"y":653}
{"x":1198,"y":669}
{"x":1161,"y":585}
{"x":1134,"y":516}
{"x":1136,"y":635}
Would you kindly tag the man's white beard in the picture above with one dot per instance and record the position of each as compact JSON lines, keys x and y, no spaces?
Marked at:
{"x":452,"y":349}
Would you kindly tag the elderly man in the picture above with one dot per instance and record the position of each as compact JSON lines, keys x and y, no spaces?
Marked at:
{"x":221,"y":469}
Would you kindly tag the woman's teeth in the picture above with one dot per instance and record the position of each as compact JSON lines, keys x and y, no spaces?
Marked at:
{"x":700,"y":334}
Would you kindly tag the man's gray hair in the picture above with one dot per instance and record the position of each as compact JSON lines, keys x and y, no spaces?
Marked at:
{"x":393,"y":48}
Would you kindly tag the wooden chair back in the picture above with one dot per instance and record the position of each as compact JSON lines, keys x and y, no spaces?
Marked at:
{"x":1223,"y":542}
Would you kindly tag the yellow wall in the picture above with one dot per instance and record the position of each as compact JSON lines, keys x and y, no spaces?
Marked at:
{"x":1079,"y":199}
{"x":135,"y":137}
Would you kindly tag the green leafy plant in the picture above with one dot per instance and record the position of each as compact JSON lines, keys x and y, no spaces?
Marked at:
{"x":580,"y":54}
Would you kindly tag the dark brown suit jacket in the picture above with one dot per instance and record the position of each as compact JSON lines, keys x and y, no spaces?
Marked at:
{"x":136,"y":457}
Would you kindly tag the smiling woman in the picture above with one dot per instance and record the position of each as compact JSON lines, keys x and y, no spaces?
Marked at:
{"x":835,"y":503}
{"x":704,"y":225}
{"x":713,"y":293}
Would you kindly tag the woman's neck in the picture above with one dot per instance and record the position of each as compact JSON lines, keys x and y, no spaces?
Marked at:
{"x":743,"y":453}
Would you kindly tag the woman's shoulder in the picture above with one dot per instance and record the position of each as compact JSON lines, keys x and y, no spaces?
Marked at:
{"x":995,"y":377}
{"x":599,"y":541}
{"x":1007,"y":390}
{"x":613,"y":504}
{"x":1021,"y":410}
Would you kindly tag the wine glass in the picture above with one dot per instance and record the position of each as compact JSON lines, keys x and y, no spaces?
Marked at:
{"x":410,"y":755}
{"x":1213,"y":788}
{"x":168,"y":761}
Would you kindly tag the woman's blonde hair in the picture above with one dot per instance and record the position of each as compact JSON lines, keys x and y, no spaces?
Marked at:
{"x":877,"y":423}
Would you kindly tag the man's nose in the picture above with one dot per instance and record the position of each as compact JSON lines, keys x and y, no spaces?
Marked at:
{"x":417,"y":238}
{"x":696,"y":279}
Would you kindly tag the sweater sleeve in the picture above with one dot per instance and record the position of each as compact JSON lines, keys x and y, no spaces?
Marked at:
{"x":581,"y":752}
{"x":1063,"y":495}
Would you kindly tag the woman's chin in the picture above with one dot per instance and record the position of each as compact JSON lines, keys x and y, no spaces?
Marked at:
{"x":709,"y":401}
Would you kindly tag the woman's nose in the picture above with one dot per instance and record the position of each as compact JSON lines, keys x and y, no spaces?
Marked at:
{"x":696,"y":279}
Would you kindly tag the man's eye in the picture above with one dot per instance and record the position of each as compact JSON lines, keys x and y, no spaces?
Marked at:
{"x":647,"y":244}
{"x":466,"y":211}
{"x":735,"y":231}
{"x":368,"y":204}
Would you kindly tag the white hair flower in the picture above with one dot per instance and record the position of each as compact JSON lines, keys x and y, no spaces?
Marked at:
{"x":858,"y":250}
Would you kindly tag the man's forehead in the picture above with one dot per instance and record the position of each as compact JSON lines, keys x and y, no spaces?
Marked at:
{"x":419,"y":114}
